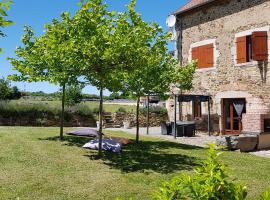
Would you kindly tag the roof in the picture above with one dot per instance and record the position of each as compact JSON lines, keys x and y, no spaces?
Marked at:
{"x":192,"y":5}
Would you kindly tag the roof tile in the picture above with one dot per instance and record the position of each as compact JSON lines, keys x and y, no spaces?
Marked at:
{"x":192,"y":4}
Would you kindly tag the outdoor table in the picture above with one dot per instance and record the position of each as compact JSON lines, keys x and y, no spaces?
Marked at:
{"x":184,"y":128}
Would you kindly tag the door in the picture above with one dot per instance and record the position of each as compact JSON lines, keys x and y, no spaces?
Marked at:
{"x":232,"y":115}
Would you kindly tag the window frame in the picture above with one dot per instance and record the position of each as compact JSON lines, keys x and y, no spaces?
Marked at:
{"x":248,"y":33}
{"x":204,"y":43}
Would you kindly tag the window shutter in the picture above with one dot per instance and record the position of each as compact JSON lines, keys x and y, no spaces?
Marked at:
{"x":195,"y":53}
{"x":202,"y":56}
{"x":259,"y":46}
{"x":205,"y":55}
{"x":209,"y":49}
{"x":241,"y":43}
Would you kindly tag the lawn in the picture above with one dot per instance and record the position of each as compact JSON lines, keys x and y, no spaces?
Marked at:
{"x":34,"y":164}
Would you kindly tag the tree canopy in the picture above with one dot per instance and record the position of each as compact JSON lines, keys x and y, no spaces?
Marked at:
{"x":4,"y":6}
{"x":115,"y":51}
{"x":154,"y":68}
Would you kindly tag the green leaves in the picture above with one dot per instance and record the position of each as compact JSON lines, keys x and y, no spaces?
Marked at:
{"x":4,"y":5}
{"x":208,"y":182}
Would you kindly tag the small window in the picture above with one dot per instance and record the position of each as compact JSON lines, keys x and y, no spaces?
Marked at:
{"x":204,"y":55}
{"x":197,"y":110}
{"x":252,"y":47}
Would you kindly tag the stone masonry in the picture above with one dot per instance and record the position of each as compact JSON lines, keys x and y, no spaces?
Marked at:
{"x":221,"y":21}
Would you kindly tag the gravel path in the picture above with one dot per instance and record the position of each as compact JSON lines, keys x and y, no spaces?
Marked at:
{"x":201,"y":140}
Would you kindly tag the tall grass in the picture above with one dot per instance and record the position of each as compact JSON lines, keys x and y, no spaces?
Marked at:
{"x":27,"y":113}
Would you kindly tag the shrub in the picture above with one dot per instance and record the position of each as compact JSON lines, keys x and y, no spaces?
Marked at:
{"x":121,"y":109}
{"x":208,"y":182}
{"x":157,"y":110}
{"x":265,"y":195}
{"x":73,"y":95}
{"x":96,"y":110}
{"x":83,"y":110}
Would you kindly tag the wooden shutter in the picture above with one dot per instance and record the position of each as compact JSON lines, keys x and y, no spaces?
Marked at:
{"x":241,"y":44}
{"x":209,"y":52}
{"x":205,"y":55}
{"x":259,"y":46}
{"x":195,"y":53}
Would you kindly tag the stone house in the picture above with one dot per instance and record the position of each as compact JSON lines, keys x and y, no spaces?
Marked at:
{"x":230,"y":39}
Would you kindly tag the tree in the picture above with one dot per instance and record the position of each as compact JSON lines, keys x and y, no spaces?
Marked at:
{"x":100,"y":47}
{"x":48,"y":58}
{"x":73,"y":95}
{"x":7,"y":92}
{"x":4,"y":5}
{"x":4,"y":89}
{"x":15,"y":93}
{"x":155,"y":69}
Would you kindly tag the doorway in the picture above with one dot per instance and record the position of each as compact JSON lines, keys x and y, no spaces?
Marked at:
{"x":232,"y":115}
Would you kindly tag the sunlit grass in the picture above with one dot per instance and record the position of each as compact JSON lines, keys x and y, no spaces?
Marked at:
{"x":34,"y":164}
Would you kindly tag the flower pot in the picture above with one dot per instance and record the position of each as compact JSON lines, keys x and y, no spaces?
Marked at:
{"x":126,"y":125}
{"x":98,"y":124}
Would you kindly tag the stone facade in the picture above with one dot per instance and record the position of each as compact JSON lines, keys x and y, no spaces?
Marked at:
{"x":221,"y":21}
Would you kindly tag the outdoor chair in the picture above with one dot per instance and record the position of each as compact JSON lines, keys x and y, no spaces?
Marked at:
{"x":166,"y":128}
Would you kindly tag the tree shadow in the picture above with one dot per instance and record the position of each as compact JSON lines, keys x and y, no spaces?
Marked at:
{"x":70,"y":140}
{"x":157,"y":156}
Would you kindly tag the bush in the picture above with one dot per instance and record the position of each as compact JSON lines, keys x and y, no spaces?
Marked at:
{"x":209,"y":182}
{"x":121,"y":109}
{"x":265,"y":195}
{"x":157,"y":110}
{"x":83,"y":110}
{"x":73,"y":95}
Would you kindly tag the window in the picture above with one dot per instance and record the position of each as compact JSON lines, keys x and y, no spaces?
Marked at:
{"x":197,"y":110}
{"x":204,"y":55}
{"x":252,"y":47}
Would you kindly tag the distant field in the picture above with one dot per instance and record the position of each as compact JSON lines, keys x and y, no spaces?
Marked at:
{"x":92,"y":105}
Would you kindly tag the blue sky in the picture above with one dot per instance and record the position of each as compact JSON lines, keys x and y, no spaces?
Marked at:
{"x":36,"y":13}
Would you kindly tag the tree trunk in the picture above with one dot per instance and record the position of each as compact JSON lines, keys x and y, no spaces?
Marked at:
{"x":147,"y":129}
{"x":100,"y":122}
{"x":137,"y":120}
{"x":62,"y":112}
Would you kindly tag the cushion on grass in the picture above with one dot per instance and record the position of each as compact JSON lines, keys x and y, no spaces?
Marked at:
{"x":84,"y":132}
{"x":123,"y":141}
{"x":107,"y":145}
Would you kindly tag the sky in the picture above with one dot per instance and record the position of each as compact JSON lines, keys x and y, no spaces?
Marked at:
{"x":36,"y":13}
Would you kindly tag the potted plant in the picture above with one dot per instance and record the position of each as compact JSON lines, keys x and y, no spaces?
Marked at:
{"x":126,"y":124}
{"x":98,"y":124}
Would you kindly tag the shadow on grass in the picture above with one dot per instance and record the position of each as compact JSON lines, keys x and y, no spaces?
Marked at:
{"x":69,"y":140}
{"x":157,"y":156}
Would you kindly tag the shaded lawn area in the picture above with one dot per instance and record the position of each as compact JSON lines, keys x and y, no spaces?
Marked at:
{"x":34,"y":164}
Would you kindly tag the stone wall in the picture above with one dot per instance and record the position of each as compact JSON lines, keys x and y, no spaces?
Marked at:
{"x":221,"y":21}
{"x":154,"y":119}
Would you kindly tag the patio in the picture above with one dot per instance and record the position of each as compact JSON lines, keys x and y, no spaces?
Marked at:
{"x":200,"y":140}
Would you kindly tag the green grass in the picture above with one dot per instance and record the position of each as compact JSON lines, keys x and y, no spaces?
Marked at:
{"x":34,"y":164}
{"x":92,"y":105}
